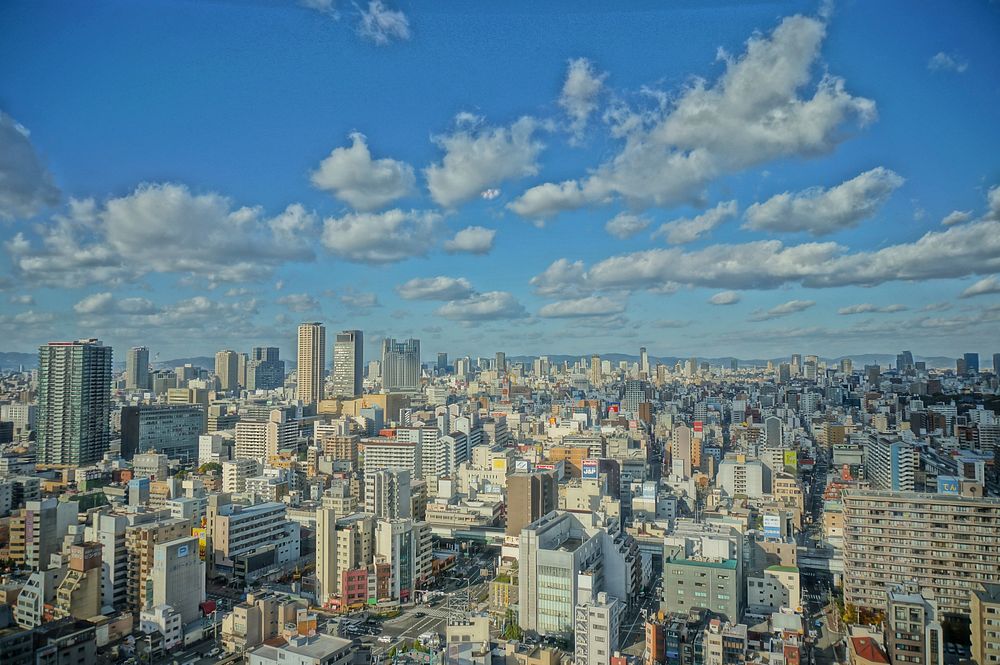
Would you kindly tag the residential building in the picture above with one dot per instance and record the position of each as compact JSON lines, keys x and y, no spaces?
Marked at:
{"x":596,"y":627}
{"x":890,"y":464}
{"x":985,"y":624}
{"x":946,"y":543}
{"x":137,"y":368}
{"x":387,"y":493}
{"x":913,"y":631}
{"x":79,"y":593}
{"x":311,"y":363}
{"x":178,"y":577}
{"x":74,"y":402}
{"x":405,"y":545}
{"x":227,"y":368}
{"x":343,"y":545}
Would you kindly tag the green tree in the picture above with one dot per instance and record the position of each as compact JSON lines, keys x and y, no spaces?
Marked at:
{"x":210,"y":467}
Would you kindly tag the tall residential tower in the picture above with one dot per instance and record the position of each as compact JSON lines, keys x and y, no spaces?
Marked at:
{"x":311,"y":362}
{"x":348,"y":363}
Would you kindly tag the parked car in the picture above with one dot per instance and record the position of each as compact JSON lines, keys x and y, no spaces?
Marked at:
{"x":384,"y":639}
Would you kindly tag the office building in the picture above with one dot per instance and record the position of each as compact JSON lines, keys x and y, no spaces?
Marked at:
{"x":912,"y":627}
{"x":344,"y":544}
{"x":265,"y":370}
{"x":387,"y":493}
{"x":985,"y":624}
{"x":348,"y":363}
{"x":311,"y":363}
{"x":530,"y":496}
{"x":596,"y":627}
{"x":262,"y":439}
{"x":596,"y":375}
{"x":169,"y":429}
{"x":401,"y":365}
{"x":643,"y":362}
{"x":137,"y":369}
{"x":971,"y":363}
{"x":178,"y":577}
{"x":36,"y":531}
{"x":79,"y":593}
{"x":567,"y":558}
{"x":227,"y":370}
{"x":946,"y":543}
{"x":442,"y":363}
{"x":140,"y":545}
{"x":391,"y":454}
{"x":311,"y":649}
{"x":250,"y":540}
{"x":155,"y":466}
{"x":405,"y":545}
{"x":738,"y":476}
{"x":74,"y":402}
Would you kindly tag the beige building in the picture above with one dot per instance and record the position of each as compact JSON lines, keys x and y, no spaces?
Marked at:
{"x":945,"y":543}
{"x":227,"y":370}
{"x":986,"y":624}
{"x":311,"y":369}
{"x":79,"y":593}
{"x":259,"y":618}
{"x":140,"y":544}
{"x":342,"y":545}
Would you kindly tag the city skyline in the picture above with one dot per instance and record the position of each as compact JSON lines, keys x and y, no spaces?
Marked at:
{"x":554,"y":193}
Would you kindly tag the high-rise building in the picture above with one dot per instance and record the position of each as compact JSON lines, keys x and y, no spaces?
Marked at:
{"x":529,"y":497}
{"x":344,"y":545}
{"x":387,"y":493}
{"x":137,"y":368}
{"x":985,"y":614}
{"x":311,"y":362}
{"x":442,"y":363}
{"x":164,"y":428}
{"x":348,"y":363}
{"x":596,"y":376}
{"x":265,"y":370}
{"x":971,"y":363}
{"x":401,"y":365}
{"x":890,"y":464}
{"x":74,"y":402}
{"x":406,"y":546}
{"x":596,"y":628}
{"x":935,"y":541}
{"x":177,"y":577}
{"x":227,"y":369}
{"x":643,"y":361}
{"x":904,"y":361}
{"x":501,"y":362}
{"x":912,"y":627}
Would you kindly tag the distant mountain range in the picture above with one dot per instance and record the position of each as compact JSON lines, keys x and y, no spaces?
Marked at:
{"x":12,"y":360}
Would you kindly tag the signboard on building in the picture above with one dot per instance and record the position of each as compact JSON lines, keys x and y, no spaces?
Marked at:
{"x":500,"y":464}
{"x":522,"y":466}
{"x":792,"y":458}
{"x":699,"y":427}
{"x":590,"y":470}
{"x":772,"y":525}
{"x":948,"y":485}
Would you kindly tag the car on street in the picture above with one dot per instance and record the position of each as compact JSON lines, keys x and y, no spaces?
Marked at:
{"x":384,"y":639}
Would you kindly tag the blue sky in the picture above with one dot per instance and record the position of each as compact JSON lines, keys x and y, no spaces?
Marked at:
{"x":200,"y":175}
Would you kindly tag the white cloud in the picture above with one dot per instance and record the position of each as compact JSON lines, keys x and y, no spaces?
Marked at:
{"x":579,"y":94}
{"x":820,"y":211}
{"x":945,"y":62}
{"x":364,"y":183}
{"x":22,"y":299}
{"x":472,"y":240}
{"x":385,"y":237}
{"x":670,"y":323}
{"x":625,"y":225}
{"x":784,"y":309}
{"x":958,"y":251}
{"x":956,"y":217}
{"x":561,"y":277}
{"x":868,"y":308}
{"x":762,"y":108}
{"x":107,"y":303}
{"x":325,"y":6}
{"x":26,"y":186}
{"x":477,"y":158}
{"x":436,"y":288}
{"x":579,"y":307}
{"x":688,"y":230}
{"x":162,"y":228}
{"x":985,"y":286}
{"x":489,"y":306}
{"x":490,"y":194}
{"x":725,"y":298}
{"x":358,"y":302}
{"x":993,"y":203}
{"x":381,"y":25}
{"x":299,"y":302}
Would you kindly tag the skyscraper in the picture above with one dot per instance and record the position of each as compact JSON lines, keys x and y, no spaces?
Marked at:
{"x":311,"y":362}
{"x":401,"y":365}
{"x":348,"y":363}
{"x":137,"y":368}
{"x":74,"y":402}
{"x":643,"y":361}
{"x":971,"y":363}
{"x":442,"y":363}
{"x":227,"y":369}
{"x":265,"y":371}
{"x":904,"y":361}
{"x":501,"y":361}
{"x":595,"y":370}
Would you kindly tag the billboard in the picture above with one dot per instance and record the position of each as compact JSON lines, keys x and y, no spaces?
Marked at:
{"x":791,"y":458}
{"x":947,"y":485}
{"x":772,"y":526}
{"x":698,"y":426}
{"x":500,"y":464}
{"x":614,"y":407}
{"x":590,"y":468}
{"x":522,"y":466}
{"x":545,"y":467}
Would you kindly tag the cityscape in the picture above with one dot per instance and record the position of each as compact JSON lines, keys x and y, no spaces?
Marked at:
{"x":412,"y":333}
